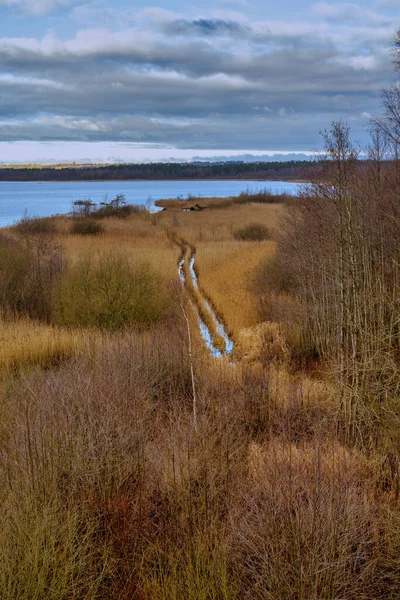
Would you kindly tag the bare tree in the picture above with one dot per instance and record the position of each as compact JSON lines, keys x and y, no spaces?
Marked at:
{"x":83,"y":208}
{"x":341,"y":253}
{"x":388,"y":122}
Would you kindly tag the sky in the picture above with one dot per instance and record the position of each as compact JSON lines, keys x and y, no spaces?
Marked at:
{"x":101,"y":80}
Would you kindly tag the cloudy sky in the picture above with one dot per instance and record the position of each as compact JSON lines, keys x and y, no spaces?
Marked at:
{"x":109,"y":80}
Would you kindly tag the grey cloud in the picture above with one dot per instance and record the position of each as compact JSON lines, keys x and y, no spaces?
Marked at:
{"x":140,"y":130}
{"x":287,"y":62}
{"x":134,"y":86}
{"x":205,"y":27}
{"x":302,"y":135}
{"x":123,"y":91}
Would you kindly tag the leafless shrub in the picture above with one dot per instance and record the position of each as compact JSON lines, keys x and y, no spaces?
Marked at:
{"x":86,"y":226}
{"x":305,"y":527}
{"x":339,"y":258}
{"x":36,"y":226}
{"x":30,"y":268}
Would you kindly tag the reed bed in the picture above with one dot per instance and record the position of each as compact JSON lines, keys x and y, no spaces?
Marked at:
{"x":25,"y":343}
{"x":138,"y":244}
{"x":211,"y":226}
{"x":224,"y":273}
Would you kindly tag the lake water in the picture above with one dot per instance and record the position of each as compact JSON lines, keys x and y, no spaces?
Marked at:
{"x":56,"y":197}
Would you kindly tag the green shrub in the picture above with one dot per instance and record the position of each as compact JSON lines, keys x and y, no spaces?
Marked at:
{"x":252,"y":233}
{"x":86,"y":226}
{"x":36,"y":225}
{"x":107,"y":292}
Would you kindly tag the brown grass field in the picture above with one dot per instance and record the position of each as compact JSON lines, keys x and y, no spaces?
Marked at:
{"x":224,"y":271}
{"x":134,"y":466}
{"x":224,"y":266}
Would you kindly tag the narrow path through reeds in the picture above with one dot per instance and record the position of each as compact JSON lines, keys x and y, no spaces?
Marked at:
{"x":212,"y":328}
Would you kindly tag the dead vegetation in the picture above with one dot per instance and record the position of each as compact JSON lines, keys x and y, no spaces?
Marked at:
{"x":110,"y":491}
{"x":134,"y":466}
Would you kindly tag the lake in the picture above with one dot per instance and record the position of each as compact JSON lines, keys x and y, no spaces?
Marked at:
{"x":56,"y":197}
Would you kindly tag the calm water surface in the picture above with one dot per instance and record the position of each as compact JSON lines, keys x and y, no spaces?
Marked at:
{"x":56,"y":197}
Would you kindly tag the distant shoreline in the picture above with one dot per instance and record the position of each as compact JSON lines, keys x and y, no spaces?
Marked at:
{"x":257,"y":171}
{"x":24,"y":180}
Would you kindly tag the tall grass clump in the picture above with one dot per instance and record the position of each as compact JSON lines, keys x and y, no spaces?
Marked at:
{"x":79,"y":506}
{"x":86,"y":226}
{"x":24,"y":342}
{"x":304,"y":524}
{"x":106,"y":291}
{"x":264,"y":196}
{"x":122,"y":212}
{"x":254,"y":232}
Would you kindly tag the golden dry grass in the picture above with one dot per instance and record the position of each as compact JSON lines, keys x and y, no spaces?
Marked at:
{"x":138,"y":238}
{"x":110,"y":489}
{"x":223,"y":263}
{"x":25,"y":343}
{"x":224,"y":269}
{"x":135,"y":238}
{"x":219,"y":225}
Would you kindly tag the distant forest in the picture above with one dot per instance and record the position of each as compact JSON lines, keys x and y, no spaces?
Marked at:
{"x":290,"y":170}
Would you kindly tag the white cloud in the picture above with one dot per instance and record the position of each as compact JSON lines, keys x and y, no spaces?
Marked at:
{"x":154,"y":14}
{"x":70,"y":123}
{"x":36,"y":6}
{"x":345,"y":12}
{"x":10,"y":79}
{"x":359,"y":62}
{"x":289,"y":29}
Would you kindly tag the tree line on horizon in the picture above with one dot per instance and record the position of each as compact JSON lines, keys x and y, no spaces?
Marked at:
{"x":157,"y":171}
